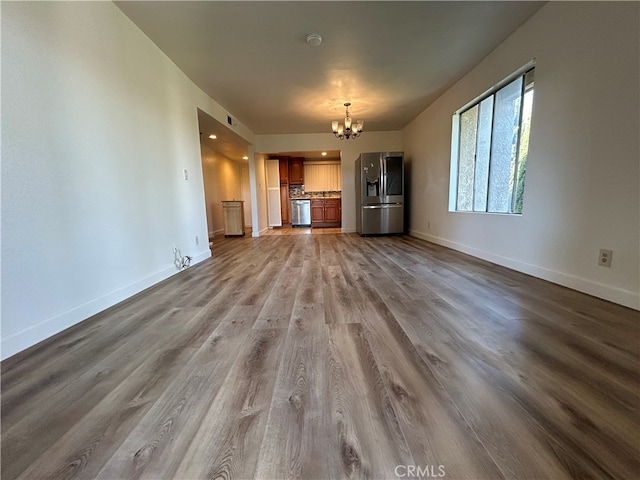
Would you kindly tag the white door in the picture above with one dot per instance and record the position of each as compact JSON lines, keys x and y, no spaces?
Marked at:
{"x":273,"y":193}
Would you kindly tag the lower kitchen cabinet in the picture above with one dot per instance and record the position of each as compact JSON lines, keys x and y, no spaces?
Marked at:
{"x":317,"y":211}
{"x":326,"y":212}
{"x":285,"y":204}
{"x":332,"y":210}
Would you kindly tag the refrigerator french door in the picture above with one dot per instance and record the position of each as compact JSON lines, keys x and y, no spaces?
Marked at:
{"x":382,"y":219}
{"x":380,"y":193}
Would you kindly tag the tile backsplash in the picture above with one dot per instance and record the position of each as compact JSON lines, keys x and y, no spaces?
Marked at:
{"x":297,"y":191}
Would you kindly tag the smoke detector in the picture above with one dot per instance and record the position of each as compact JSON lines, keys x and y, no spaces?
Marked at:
{"x":314,"y":40}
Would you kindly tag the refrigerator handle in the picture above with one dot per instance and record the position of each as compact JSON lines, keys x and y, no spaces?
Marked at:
{"x":383,"y":177}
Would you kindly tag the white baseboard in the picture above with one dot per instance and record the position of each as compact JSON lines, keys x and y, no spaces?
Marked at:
{"x":27,"y":337}
{"x":257,"y":234}
{"x":216,"y":233}
{"x":348,"y":230}
{"x":201,"y":257}
{"x":617,"y":295}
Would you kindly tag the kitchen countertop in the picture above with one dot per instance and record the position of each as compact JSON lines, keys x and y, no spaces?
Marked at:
{"x":308,"y":196}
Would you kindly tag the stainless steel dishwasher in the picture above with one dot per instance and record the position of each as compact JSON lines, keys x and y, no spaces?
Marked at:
{"x":301,"y":213}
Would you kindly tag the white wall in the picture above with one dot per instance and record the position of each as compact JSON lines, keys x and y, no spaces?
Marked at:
{"x":97,"y":127}
{"x":257,"y":174}
{"x":222,"y":181}
{"x":582,"y":185}
{"x":245,"y":186}
{"x":368,"y":142}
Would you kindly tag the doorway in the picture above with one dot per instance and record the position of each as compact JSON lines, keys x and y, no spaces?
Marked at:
{"x":311,"y":176}
{"x":225,"y":173}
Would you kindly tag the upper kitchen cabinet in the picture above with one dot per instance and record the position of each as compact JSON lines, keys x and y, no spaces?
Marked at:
{"x":296,"y":171}
{"x":283,"y":163}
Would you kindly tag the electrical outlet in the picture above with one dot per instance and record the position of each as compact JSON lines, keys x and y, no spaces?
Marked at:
{"x":428,"y":225}
{"x":604,"y":259}
{"x":185,"y":174}
{"x":197,"y":241}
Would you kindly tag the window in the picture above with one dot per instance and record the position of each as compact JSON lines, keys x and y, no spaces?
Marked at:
{"x":489,"y":148}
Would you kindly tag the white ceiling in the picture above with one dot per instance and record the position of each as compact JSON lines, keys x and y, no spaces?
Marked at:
{"x":391,"y":60}
{"x":228,"y":143}
{"x":233,"y":147}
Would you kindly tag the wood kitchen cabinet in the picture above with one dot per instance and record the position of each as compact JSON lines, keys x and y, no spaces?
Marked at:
{"x":326,"y":212}
{"x":296,"y":171}
{"x":285,"y":204}
{"x":283,"y":164}
{"x":317,"y":211}
{"x":332,"y":210}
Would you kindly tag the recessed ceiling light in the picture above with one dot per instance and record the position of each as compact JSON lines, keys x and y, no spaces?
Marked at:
{"x":245,"y":158}
{"x":324,"y":154}
{"x":212,"y":136}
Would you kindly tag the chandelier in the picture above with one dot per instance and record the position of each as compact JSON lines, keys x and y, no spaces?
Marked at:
{"x":349,"y":129}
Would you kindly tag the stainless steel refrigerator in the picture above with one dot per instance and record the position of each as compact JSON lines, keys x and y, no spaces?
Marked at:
{"x":380,"y":193}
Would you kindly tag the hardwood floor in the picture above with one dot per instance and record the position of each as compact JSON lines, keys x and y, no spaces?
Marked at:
{"x":288,"y":230}
{"x":331,"y":356}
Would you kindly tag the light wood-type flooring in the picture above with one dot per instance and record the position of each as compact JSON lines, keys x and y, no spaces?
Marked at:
{"x":287,"y":230}
{"x":332,"y":356}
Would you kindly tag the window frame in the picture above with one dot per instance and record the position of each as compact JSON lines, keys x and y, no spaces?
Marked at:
{"x":455,"y":140}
